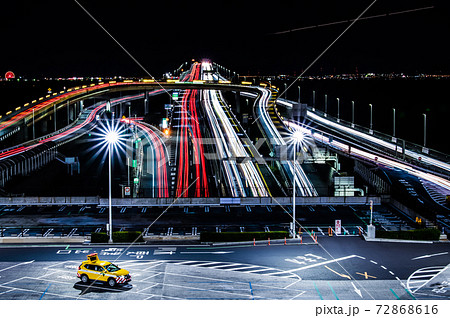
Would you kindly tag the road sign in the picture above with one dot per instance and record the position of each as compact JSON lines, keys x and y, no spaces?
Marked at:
{"x":168,"y":106}
{"x":127,"y":191}
{"x":175,"y":95}
{"x":337,"y":227}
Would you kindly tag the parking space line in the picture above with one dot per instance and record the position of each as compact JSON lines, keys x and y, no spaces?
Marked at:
{"x":337,"y":298}
{"x":396,"y":296}
{"x":141,"y":290}
{"x":143,"y":280}
{"x":317,"y":290}
{"x":7,"y":291}
{"x":45,"y":291}
{"x":301,"y":293}
{"x":24,"y":263}
{"x":251,"y":290}
{"x":35,"y":291}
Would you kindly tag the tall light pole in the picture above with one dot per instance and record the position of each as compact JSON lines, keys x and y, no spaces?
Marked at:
{"x":285,"y":90}
{"x":111,"y":138}
{"x":393,"y":125}
{"x":325,"y":105}
{"x":371,"y":123}
{"x":34,"y":134}
{"x":299,"y":95}
{"x":424,"y":130}
{"x":338,"y":119}
{"x":297,"y":138}
{"x":353,"y":114}
{"x":314,"y":100}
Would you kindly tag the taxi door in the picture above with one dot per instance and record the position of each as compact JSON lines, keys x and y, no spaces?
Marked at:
{"x":101,"y":273}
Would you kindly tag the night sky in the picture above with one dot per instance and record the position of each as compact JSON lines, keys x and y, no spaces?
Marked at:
{"x":57,"y":38}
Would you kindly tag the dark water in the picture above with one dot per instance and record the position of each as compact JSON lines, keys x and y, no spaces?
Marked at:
{"x":410,"y":97}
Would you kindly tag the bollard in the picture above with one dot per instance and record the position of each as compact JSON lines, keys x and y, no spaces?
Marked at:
{"x":254,"y":242}
{"x":269,"y":241}
{"x":359,"y":229}
{"x":284,"y":241}
{"x":301,"y":240}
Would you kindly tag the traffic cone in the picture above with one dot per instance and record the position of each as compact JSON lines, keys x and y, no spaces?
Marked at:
{"x":254,"y":242}
{"x":269,"y":241}
{"x":284,"y":241}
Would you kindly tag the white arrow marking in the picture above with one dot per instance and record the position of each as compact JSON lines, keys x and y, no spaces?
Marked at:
{"x":430,"y":255}
{"x":323,"y":263}
{"x":163,"y":252}
{"x":24,"y":263}
{"x":357,"y":290}
{"x":219,"y":252}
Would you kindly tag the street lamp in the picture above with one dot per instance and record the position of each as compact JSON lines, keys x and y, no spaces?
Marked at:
{"x":353,"y":114}
{"x":393,"y":125}
{"x":424,"y":130}
{"x":314,"y":100}
{"x":297,"y":138}
{"x":112,"y":137}
{"x":338,"y":120}
{"x":325,"y":105}
{"x":371,"y":126}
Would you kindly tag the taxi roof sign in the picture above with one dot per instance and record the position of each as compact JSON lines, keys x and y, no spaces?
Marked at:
{"x":93,"y":257}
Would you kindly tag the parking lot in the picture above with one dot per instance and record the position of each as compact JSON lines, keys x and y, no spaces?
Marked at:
{"x":278,"y":271}
{"x":64,"y":221}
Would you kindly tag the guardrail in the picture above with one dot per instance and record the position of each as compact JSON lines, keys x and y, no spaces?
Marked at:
{"x":142,"y":202}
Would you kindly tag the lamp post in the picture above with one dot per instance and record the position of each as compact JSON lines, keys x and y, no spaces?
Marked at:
{"x":299,"y":95}
{"x":394,"y":139}
{"x":424,"y":130}
{"x":338,"y":120}
{"x":297,"y":138}
{"x":34,"y":134}
{"x":325,"y":105}
{"x":371,"y":126}
{"x":111,"y":138}
{"x":314,"y":100}
{"x":353,"y":114}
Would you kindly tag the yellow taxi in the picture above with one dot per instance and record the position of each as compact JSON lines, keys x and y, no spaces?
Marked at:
{"x":101,"y":271}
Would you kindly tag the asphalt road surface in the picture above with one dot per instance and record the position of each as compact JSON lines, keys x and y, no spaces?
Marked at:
{"x":336,"y":268}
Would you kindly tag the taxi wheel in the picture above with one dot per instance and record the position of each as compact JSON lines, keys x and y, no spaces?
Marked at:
{"x":84,"y":278}
{"x":111,"y":282}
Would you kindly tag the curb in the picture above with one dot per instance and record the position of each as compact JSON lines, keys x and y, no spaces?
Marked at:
{"x":396,"y":240}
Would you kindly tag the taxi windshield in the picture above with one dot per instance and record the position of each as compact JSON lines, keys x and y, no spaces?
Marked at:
{"x":112,"y":268}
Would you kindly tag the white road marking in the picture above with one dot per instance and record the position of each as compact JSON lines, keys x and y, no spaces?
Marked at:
{"x":323,"y":263}
{"x":291,"y":284}
{"x":383,"y":267}
{"x":430,"y":255}
{"x":356,"y":290}
{"x":423,"y":282}
{"x":149,"y":287}
{"x":374,"y":262}
{"x":149,"y":276}
{"x":8,"y":291}
{"x":391,"y":273}
{"x":298,"y":295}
{"x":218,"y":252}
{"x":24,"y":263}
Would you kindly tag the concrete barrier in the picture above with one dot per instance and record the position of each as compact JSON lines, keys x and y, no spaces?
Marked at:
{"x":38,"y":240}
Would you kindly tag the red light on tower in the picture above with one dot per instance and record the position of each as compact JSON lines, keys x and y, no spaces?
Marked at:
{"x":9,"y":75}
